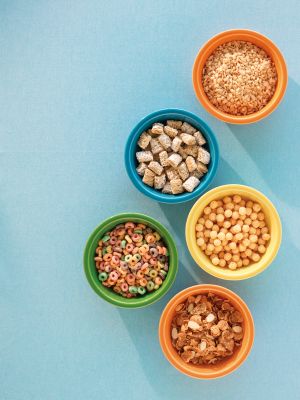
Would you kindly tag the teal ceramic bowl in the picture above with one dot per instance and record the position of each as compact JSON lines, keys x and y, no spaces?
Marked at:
{"x":107,"y":293}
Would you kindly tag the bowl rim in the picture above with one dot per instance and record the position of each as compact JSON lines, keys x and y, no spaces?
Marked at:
{"x":164,"y":114}
{"x":202,"y":260}
{"x":164,"y":331}
{"x":106,"y":293}
{"x":273,"y":51}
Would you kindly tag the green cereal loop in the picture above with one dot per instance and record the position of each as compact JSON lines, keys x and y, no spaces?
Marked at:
{"x":123,"y":244}
{"x":141,"y":290}
{"x":133,"y":289}
{"x":104,"y":251}
{"x":138,"y":231}
{"x":102,"y":276}
{"x":105,"y":238}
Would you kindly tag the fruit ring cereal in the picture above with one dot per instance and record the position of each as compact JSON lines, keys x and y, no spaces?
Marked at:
{"x":132,"y":259}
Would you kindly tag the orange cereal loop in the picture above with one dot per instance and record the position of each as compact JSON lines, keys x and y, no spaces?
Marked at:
{"x":150,"y":238}
{"x":143,"y":282}
{"x":107,"y":257}
{"x":129,"y":225}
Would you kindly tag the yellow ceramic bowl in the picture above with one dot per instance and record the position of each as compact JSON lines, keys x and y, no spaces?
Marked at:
{"x":272,"y":220}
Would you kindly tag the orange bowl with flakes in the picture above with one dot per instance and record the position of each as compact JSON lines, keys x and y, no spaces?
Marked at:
{"x":260,"y":41}
{"x":221,"y":368}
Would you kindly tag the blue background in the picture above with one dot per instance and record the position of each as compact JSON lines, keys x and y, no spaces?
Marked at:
{"x":75,"y":77}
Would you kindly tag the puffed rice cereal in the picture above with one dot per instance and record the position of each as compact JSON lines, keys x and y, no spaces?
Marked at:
{"x":239,"y":78}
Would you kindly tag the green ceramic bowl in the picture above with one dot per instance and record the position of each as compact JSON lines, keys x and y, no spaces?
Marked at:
{"x":107,"y":293}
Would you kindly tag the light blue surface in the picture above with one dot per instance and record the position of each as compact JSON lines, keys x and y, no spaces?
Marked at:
{"x":161,"y":116}
{"x":75,"y":77}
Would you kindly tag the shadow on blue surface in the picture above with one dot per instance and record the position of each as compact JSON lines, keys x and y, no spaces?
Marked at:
{"x":277,"y":149}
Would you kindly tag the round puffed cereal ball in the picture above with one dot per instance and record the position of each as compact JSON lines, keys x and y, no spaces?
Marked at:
{"x":215,"y":260}
{"x":242,"y":211}
{"x":261,"y":249}
{"x":222,"y":263}
{"x":217,"y":242}
{"x":216,"y":228}
{"x":260,"y":216}
{"x":237,"y":198}
{"x":200,"y":242}
{"x":199,"y":234}
{"x":246,"y":262}
{"x":262,"y":224}
{"x":207,"y":233}
{"x":235,"y":215}
{"x":242,"y":248}
{"x":228,"y":213}
{"x":242,"y":203}
{"x":245,"y":228}
{"x":232,"y":265}
{"x":253,"y":216}
{"x":213,"y":234}
{"x":220,"y":210}
{"x":253,"y":238}
{"x":264,"y":230}
{"x":213,"y":205}
{"x":199,"y":227}
{"x":261,"y":241}
{"x":246,"y":242}
{"x":221,"y":236}
{"x":228,"y":236}
{"x":235,"y":258}
{"x":248,"y":221}
{"x":255,"y":223}
{"x":218,"y":249}
{"x":229,"y":206}
{"x":227,"y":200}
{"x":252,"y":231}
{"x":220,"y":218}
{"x":266,"y":236}
{"x":256,"y":207}
{"x":240,"y":263}
{"x":212,"y":216}
{"x":238,"y":237}
{"x":207,"y":210}
{"x":255,"y":257}
{"x":236,"y":229}
{"x":210,"y":247}
{"x":227,"y":224}
{"x":248,"y":211}
{"x":232,"y":245}
{"x":227,"y":256}
{"x":249,"y":204}
{"x":208,"y":224}
{"x":201,"y":221}
{"x":248,"y":252}
{"x":221,"y":254}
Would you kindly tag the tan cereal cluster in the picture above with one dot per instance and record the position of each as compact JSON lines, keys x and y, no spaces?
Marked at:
{"x":206,"y":329}
{"x":172,"y":157}
{"x":232,"y":232}
{"x":239,"y":78}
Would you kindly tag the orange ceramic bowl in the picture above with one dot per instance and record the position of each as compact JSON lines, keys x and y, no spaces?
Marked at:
{"x":223,"y":367}
{"x":262,"y":42}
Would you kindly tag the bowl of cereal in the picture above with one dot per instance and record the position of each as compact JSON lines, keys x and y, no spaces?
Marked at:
{"x":240,"y":76}
{"x":233,"y":232}
{"x":171,"y":156}
{"x":130,"y":260}
{"x":206,"y":331}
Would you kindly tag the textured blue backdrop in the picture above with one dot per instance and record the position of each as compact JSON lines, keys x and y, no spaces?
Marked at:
{"x":75,"y":76}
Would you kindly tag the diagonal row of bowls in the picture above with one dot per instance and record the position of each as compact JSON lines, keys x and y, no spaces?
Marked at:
{"x":271,"y":215}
